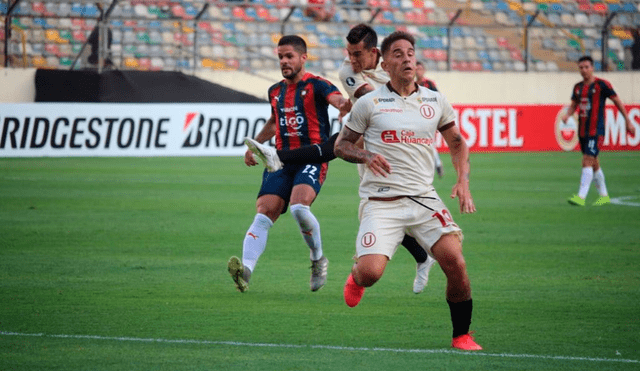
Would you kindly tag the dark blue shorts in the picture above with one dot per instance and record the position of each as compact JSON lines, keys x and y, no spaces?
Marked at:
{"x":281,"y":182}
{"x":591,"y":145}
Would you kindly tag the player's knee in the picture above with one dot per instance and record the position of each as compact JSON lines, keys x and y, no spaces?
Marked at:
{"x":366,"y":278}
{"x":369,"y":269}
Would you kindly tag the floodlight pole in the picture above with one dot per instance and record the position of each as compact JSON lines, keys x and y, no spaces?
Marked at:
{"x":7,"y":30}
{"x":526,"y":40}
{"x":286,"y":19}
{"x":451,"y":22}
{"x":605,"y":38}
{"x":195,"y":36}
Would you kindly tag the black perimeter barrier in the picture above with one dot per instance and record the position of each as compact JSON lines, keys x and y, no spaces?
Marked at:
{"x":132,"y":87}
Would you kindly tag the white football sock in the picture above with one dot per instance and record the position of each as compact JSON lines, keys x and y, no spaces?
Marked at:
{"x":601,"y":186}
{"x":255,"y":241}
{"x":585,"y":181}
{"x":310,"y":229}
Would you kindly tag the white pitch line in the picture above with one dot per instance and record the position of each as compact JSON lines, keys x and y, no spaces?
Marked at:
{"x":624,"y":200}
{"x":325,"y":347}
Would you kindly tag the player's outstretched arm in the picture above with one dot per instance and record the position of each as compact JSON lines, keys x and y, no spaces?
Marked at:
{"x":460,"y":158}
{"x":618,"y":102}
{"x":347,"y":149}
{"x":342,"y":104}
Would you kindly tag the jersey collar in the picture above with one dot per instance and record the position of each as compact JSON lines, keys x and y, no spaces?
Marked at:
{"x":415,"y":88}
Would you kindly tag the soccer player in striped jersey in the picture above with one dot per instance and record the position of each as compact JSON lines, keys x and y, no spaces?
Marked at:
{"x":299,"y":116}
{"x":589,"y":97}
{"x":359,"y":74}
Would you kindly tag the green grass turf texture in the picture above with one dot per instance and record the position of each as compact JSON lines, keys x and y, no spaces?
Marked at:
{"x":137,"y":248}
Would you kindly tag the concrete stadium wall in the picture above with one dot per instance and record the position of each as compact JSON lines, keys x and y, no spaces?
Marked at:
{"x":459,"y":87}
{"x":467,"y":87}
{"x":17,"y":85}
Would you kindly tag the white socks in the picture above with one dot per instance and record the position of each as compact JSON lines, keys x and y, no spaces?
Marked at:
{"x":585,"y":182}
{"x":255,"y":240}
{"x":601,"y":186}
{"x":597,"y":177}
{"x":310,"y":229}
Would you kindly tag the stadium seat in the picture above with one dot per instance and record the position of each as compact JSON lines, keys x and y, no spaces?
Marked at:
{"x":39,"y":62}
{"x":132,"y":63}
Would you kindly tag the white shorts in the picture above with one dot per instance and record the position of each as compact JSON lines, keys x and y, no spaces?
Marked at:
{"x":383,"y":224}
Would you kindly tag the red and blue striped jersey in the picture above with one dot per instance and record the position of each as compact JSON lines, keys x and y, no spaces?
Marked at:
{"x":429,"y":84}
{"x":591,"y":102}
{"x":301,"y":111}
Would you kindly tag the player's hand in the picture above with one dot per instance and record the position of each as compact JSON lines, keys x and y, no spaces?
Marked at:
{"x":249,"y":160}
{"x":461,"y":190}
{"x":344,"y":109}
{"x":378,"y":164}
{"x":630,"y":128}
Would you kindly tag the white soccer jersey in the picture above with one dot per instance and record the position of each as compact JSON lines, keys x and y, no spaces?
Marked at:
{"x":352,"y":81}
{"x":402,"y":129}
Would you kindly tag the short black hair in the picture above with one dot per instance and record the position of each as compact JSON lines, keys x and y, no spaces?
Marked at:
{"x":363,"y":32}
{"x":586,"y":58}
{"x":296,"y":41}
{"x":395,"y":36}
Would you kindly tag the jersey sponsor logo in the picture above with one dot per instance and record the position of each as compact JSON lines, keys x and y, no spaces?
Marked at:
{"x":427,"y":111}
{"x":350,"y":81}
{"x":585,"y":106}
{"x":406,"y":136}
{"x":391,"y":110}
{"x":293,"y":122}
{"x":290,"y":109}
{"x":426,"y":100}
{"x":383,"y":100}
{"x":389,"y":136}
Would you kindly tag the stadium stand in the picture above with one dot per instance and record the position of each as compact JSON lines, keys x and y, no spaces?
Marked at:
{"x":182,"y":35}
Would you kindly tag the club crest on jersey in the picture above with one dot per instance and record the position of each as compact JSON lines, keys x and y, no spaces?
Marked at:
{"x":427,"y":111}
{"x":368,"y":240}
{"x":350,"y":81}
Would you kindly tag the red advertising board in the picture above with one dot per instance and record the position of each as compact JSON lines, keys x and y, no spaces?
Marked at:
{"x":515,"y":128}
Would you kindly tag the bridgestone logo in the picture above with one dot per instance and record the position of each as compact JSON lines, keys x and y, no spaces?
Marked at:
{"x":83,"y":132}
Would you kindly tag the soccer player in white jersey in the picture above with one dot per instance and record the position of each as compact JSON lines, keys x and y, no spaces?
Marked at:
{"x":359,"y":74}
{"x":398,"y":122}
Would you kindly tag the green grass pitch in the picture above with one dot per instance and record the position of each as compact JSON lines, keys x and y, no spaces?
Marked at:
{"x":120,"y":264}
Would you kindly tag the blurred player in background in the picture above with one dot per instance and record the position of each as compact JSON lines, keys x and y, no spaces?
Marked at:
{"x":396,"y":189}
{"x":299,"y":116}
{"x":589,"y":97}
{"x":359,"y":74}
{"x":421,"y":79}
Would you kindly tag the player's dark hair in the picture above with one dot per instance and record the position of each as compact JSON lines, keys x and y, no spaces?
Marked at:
{"x":586,"y":58}
{"x":362,"y":32}
{"x":395,"y":36}
{"x":296,"y":41}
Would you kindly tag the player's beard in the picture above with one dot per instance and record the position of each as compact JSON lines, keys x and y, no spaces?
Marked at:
{"x":291,"y":73}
